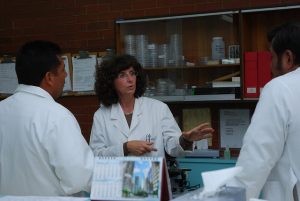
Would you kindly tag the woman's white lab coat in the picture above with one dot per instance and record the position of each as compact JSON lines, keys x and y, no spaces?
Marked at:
{"x":110,"y":129}
{"x":270,"y":153}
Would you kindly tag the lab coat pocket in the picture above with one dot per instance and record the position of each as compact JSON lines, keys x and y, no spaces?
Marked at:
{"x":281,"y":190}
{"x":273,"y":191}
{"x":290,"y":186}
{"x":153,"y":138}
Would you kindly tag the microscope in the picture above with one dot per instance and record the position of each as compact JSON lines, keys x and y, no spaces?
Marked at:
{"x":178,"y":176}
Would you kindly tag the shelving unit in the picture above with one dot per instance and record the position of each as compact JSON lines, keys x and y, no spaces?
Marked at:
{"x":193,"y":67}
{"x":195,"y":98}
{"x":194,"y":34}
{"x":188,"y":39}
{"x":255,"y":23}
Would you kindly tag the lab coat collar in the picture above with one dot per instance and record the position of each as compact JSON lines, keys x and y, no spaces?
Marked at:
{"x":118,"y":118}
{"x":33,"y":90}
{"x":136,"y":113}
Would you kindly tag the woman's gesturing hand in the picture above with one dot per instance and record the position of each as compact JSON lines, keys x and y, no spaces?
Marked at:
{"x":199,"y":132}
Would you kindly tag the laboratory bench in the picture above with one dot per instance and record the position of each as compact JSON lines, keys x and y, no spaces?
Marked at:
{"x":199,"y":165}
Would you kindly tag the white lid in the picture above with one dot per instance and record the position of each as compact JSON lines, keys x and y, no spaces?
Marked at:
{"x":217,"y":38}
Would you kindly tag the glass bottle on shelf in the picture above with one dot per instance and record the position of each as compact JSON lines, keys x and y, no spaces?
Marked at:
{"x":217,"y":48}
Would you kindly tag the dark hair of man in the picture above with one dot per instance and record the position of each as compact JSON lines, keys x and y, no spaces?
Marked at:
{"x":286,"y":37}
{"x":35,"y":59}
{"x":108,"y":71}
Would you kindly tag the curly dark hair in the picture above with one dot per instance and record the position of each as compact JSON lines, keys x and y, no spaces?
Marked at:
{"x":108,"y":71}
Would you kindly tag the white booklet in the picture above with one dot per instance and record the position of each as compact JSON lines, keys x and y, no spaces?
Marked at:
{"x":41,"y":198}
{"x":128,"y":178}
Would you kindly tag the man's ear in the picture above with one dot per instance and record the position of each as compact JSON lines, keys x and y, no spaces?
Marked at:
{"x":48,"y":80}
{"x":288,"y":61}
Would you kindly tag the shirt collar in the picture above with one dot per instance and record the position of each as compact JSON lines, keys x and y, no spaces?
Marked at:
{"x":33,"y":90}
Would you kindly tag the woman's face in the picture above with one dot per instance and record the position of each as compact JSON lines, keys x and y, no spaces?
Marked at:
{"x":125,"y":82}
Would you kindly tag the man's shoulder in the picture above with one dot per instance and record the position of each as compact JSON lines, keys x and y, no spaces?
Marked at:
{"x":283,"y":82}
{"x":56,"y":108}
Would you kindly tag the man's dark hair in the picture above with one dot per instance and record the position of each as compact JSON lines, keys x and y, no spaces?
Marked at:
{"x":108,"y":70}
{"x":286,"y":37}
{"x":35,"y":59}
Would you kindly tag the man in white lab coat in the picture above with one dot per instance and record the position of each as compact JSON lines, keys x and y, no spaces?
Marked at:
{"x":270,"y":152}
{"x":42,"y":150}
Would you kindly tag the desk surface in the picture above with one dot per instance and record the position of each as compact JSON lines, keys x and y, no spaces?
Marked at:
{"x":206,"y":160}
{"x":41,"y":198}
{"x":199,"y":165}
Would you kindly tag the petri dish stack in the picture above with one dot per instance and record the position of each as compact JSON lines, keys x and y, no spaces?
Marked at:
{"x":163,"y":56}
{"x":142,"y":49}
{"x":130,"y":45}
{"x":175,"y":53}
{"x":152,"y":56}
{"x":162,"y":87}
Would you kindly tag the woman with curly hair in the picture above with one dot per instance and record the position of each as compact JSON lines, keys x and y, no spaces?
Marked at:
{"x":129,"y":124}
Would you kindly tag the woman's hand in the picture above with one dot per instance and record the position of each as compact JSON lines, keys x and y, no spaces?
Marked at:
{"x":139,"y":147}
{"x":200,"y":132}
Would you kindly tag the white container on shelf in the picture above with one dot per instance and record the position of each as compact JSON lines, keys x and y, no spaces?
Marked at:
{"x":217,"y":48}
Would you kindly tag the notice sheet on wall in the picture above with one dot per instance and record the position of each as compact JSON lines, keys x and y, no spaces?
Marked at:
{"x":8,"y":78}
{"x":84,"y":73}
{"x":67,"y":86}
{"x":233,"y":125}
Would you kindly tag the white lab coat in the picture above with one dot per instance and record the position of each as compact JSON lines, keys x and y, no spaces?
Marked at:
{"x":42,"y":150}
{"x":110,"y":129}
{"x":270,"y":152}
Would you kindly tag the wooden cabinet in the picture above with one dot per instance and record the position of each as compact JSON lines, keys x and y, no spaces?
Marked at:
{"x":176,"y":53}
{"x":256,"y":23}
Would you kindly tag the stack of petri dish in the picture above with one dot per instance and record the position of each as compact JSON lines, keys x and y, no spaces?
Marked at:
{"x":162,"y":87}
{"x":130,"y":45}
{"x":175,"y":52}
{"x":163,"y":56}
{"x":152,"y":55}
{"x":142,"y":49}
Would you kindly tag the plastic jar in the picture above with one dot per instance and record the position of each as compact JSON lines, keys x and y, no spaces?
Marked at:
{"x":217,"y":48}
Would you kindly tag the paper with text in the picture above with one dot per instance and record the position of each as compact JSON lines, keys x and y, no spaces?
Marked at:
{"x":41,"y":198}
{"x":8,"y":78}
{"x":233,"y":125}
{"x":67,"y":86}
{"x":84,"y":73}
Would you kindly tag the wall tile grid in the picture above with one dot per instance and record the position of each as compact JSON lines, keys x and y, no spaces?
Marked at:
{"x":89,"y":25}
